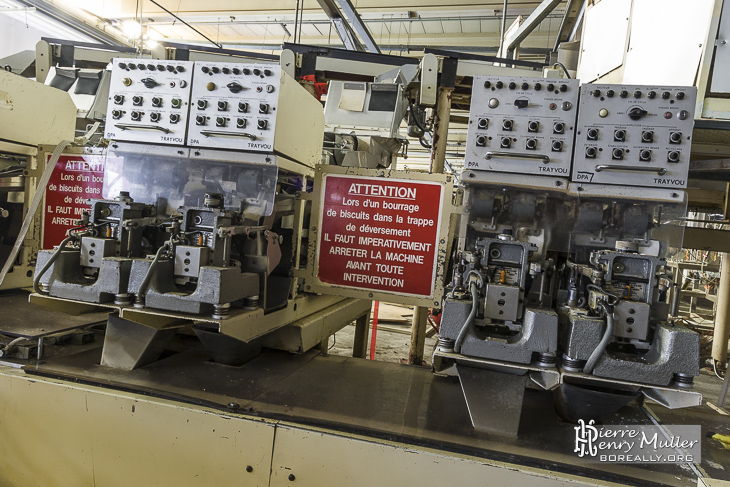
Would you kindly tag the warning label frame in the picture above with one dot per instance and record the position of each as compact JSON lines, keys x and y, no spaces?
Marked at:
{"x":400,"y":257}
{"x":78,"y":177}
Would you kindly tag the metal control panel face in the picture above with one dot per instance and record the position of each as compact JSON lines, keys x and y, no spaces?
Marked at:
{"x":522,"y":125}
{"x":234,"y":106}
{"x":634,"y":135}
{"x":148,"y":101}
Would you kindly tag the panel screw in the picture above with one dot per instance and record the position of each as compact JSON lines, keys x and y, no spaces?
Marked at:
{"x":249,"y":469}
{"x":370,"y":295}
{"x":291,"y":477}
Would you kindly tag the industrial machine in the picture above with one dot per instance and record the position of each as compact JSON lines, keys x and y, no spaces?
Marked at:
{"x":522,"y":125}
{"x":30,"y":114}
{"x":634,"y":135}
{"x":198,"y":217}
{"x":564,"y":282}
{"x":362,"y":123}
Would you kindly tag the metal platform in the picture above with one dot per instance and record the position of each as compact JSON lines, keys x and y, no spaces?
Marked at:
{"x":20,"y":318}
{"x":387,"y":402}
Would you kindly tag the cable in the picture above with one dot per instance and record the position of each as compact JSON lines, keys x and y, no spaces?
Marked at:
{"x":39,"y":194}
{"x":599,"y":290}
{"x":467,"y":324}
{"x":714,"y":367}
{"x":51,"y":260}
{"x":413,"y":112}
{"x":35,"y":203}
{"x":148,"y":276}
{"x":565,"y":70}
{"x":596,"y":355}
{"x":334,"y":341}
{"x":478,"y":275}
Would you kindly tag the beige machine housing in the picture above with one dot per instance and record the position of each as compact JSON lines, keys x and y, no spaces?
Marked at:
{"x":256,"y":108}
{"x":30,"y":114}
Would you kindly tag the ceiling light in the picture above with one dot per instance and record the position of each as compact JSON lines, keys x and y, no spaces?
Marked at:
{"x":131,"y":28}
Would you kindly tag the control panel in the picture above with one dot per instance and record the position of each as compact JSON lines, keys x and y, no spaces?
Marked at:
{"x":148,"y":101}
{"x":522,"y":125}
{"x":254,"y":107}
{"x":634,"y":135}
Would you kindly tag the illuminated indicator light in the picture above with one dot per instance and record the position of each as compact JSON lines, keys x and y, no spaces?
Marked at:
{"x":553,"y":106}
{"x":668,"y":115}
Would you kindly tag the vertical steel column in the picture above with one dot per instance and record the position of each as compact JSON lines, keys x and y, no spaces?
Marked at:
{"x":373,"y":338}
{"x":503,"y":29}
{"x":722,"y":317}
{"x":360,"y":342}
{"x":441,"y":130}
{"x":418,"y":335}
{"x":438,"y":158}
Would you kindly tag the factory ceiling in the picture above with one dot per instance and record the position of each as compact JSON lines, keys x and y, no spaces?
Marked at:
{"x":401,"y":27}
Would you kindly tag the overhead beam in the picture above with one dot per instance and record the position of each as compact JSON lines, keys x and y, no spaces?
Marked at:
{"x":66,"y":18}
{"x":188,"y":25}
{"x":356,"y":22}
{"x":343,"y":29}
{"x":571,"y":20}
{"x":537,"y":16}
{"x":349,"y":26}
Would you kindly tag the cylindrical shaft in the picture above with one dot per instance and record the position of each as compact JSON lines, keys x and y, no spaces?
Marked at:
{"x":441,"y":130}
{"x":418,"y":335}
{"x":722,"y":317}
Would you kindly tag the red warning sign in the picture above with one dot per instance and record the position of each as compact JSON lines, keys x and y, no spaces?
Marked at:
{"x":77,"y":178}
{"x":380,"y":234}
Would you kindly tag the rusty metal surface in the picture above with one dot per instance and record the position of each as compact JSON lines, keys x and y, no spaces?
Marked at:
{"x":716,"y":169}
{"x":19,"y":318}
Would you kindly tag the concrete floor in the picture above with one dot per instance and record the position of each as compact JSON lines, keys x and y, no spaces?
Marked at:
{"x":392,"y":339}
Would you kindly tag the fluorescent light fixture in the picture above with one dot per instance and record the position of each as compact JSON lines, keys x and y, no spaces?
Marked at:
{"x":131,"y":28}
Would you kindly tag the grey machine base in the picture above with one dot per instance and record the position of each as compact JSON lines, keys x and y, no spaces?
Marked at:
{"x":65,"y":279}
{"x":128,"y":345}
{"x":539,"y":334}
{"x":674,"y":350}
{"x":216,"y":286}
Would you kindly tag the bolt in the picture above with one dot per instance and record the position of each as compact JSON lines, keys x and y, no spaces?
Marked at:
{"x":291,"y":477}
{"x":443,"y":241}
{"x":249,"y":469}
{"x":233,"y":405}
{"x":370,"y":295}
